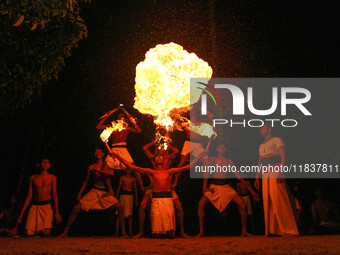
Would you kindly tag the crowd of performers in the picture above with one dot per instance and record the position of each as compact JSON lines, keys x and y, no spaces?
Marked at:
{"x":279,"y":209}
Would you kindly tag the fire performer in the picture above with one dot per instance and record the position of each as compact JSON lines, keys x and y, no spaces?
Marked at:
{"x":278,"y":212}
{"x":220,"y":193}
{"x":101,"y":195}
{"x":43,"y":190}
{"x":118,"y":140}
{"x":169,"y":153}
{"x":162,"y":147}
{"x":162,"y":206}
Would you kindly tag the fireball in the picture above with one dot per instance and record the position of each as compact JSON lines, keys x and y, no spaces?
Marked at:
{"x":163,"y":81}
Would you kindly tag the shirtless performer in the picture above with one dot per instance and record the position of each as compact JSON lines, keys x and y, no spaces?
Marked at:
{"x":169,"y":153}
{"x":220,"y":193}
{"x":162,"y":206}
{"x":127,"y":195}
{"x":43,"y":191}
{"x":118,"y":141}
{"x":277,"y":204}
{"x":101,"y":195}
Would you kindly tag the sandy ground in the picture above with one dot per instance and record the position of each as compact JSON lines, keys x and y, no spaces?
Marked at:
{"x":206,"y":245}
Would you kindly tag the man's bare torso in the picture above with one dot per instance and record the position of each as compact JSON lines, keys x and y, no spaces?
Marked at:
{"x":42,"y":186}
{"x":98,"y":179}
{"x":119,"y":137}
{"x":221,"y":161}
{"x":128,"y":182}
{"x":161,"y":181}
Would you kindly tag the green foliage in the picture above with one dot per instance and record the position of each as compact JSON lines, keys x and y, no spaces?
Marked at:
{"x":35,"y":38}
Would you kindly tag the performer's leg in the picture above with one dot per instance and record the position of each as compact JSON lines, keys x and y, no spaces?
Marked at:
{"x":71,"y":219}
{"x":121,"y":218}
{"x":130,"y":225}
{"x":142,"y":208}
{"x":244,"y":214}
{"x":201,"y":205}
{"x":117,"y":226}
{"x":180,"y":217}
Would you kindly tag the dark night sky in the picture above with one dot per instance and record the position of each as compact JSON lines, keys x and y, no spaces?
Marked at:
{"x":250,"y":39}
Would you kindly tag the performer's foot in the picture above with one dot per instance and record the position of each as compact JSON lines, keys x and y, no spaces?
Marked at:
{"x":200,"y":234}
{"x":245,"y":233}
{"x":124,"y":235}
{"x":184,"y":235}
{"x":139,"y":235}
{"x":63,"y":235}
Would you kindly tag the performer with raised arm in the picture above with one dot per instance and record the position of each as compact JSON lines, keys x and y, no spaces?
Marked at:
{"x":220,"y":193}
{"x":43,"y":192}
{"x":278,"y":213}
{"x":101,"y":195}
{"x":118,"y":140}
{"x":169,"y":153}
{"x":162,"y":206}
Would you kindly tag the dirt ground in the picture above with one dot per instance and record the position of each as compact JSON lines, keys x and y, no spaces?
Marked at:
{"x":205,"y":245}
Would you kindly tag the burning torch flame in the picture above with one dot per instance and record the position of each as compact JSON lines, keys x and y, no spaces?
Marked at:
{"x":203,"y":129}
{"x":163,"y":81}
{"x":118,"y":125}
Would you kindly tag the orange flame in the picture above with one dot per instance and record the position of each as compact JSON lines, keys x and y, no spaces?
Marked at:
{"x":118,"y":125}
{"x":203,"y":129}
{"x":163,"y":81}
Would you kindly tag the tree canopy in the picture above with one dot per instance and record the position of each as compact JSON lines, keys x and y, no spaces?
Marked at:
{"x":35,"y":38}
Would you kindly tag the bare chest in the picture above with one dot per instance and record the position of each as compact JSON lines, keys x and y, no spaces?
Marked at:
{"x":40,"y":182}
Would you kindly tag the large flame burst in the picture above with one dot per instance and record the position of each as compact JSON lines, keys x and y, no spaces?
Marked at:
{"x":163,"y":81}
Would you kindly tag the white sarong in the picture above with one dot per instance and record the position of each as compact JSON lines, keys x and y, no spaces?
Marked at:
{"x":39,"y":218}
{"x":94,"y":200}
{"x":126,"y":201}
{"x":221,"y":197}
{"x":121,"y":151}
{"x":162,"y":215}
{"x":149,"y":193}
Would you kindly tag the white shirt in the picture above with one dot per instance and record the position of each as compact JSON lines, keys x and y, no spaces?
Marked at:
{"x":271,"y":147}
